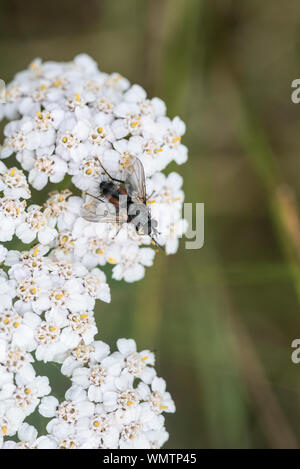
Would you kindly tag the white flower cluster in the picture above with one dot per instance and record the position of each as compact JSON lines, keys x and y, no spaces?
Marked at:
{"x":116,"y":401}
{"x":46,"y":307}
{"x":70,"y":119}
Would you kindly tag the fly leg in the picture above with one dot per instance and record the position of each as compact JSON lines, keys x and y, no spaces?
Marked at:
{"x":113,"y":179}
{"x":151,"y":195}
{"x":97,"y":198}
{"x":119,"y":229}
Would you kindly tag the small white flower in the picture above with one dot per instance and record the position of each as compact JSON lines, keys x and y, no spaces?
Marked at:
{"x":124,"y":399}
{"x":36,"y":224}
{"x":67,"y":414}
{"x":20,"y":139}
{"x":159,"y":400}
{"x":63,"y":209}
{"x":168,"y":189}
{"x":86,"y":172}
{"x":33,"y":294}
{"x":92,"y":251}
{"x":47,"y":167}
{"x":71,"y":141}
{"x":27,"y":396}
{"x":47,"y":335}
{"x":10,"y":321}
{"x":70,"y":296}
{"x":154,"y":107}
{"x":130,"y":261}
{"x":100,"y":135}
{"x":27,"y":435}
{"x":139,"y":364}
{"x":11,"y":419}
{"x":28,"y":264}
{"x":172,"y":131}
{"x":152,"y":154}
{"x":13,"y":183}
{"x":129,"y":120}
{"x":133,"y":437}
{"x":17,"y":361}
{"x":12,"y":213}
{"x":97,"y":378}
{"x":100,"y":429}
{"x":172,"y":227}
{"x":64,"y":246}
{"x":84,"y":354}
{"x":95,"y":284}
{"x":81,"y":327}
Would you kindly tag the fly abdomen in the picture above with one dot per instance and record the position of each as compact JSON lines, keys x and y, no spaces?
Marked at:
{"x":114,"y":194}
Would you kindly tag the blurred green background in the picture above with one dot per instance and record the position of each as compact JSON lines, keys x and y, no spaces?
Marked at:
{"x":221,"y":319}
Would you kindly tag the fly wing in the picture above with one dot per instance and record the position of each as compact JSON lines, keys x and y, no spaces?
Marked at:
{"x":135,"y":180}
{"x":96,"y":209}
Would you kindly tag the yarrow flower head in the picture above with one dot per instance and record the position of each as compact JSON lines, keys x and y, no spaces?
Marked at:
{"x":70,"y":118}
{"x":106,"y":408}
{"x":72,"y":124}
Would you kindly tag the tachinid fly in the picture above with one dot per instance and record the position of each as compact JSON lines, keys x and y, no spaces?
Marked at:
{"x":122,"y":200}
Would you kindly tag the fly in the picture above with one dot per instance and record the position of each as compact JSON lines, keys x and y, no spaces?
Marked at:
{"x":122,"y":201}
